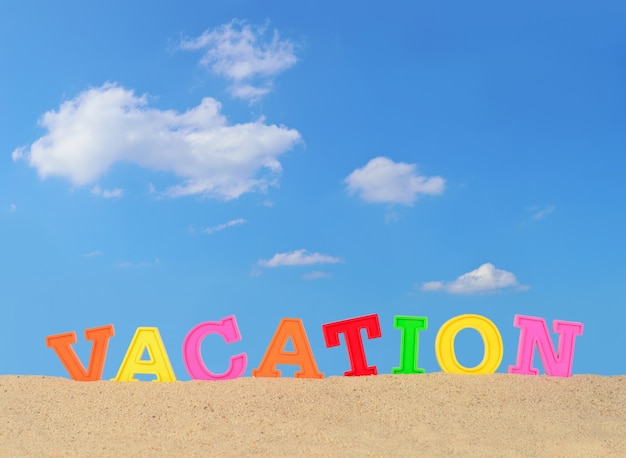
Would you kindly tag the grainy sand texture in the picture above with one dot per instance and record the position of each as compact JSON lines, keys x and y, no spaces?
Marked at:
{"x":433,"y":414}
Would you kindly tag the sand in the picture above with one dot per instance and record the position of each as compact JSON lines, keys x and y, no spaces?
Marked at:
{"x":433,"y":414}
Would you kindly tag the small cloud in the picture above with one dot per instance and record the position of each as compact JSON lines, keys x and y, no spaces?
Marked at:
{"x":432,"y":286}
{"x":316,"y":275}
{"x":382,"y":180}
{"x":542,"y":213}
{"x":486,"y":279}
{"x":18,"y":153}
{"x":220,"y":227}
{"x":12,"y":208}
{"x":107,"y":193}
{"x":298,"y":258}
{"x":243,"y":54}
{"x":92,"y":254}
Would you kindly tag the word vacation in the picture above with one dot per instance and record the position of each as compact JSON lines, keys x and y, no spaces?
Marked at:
{"x":534,"y":334}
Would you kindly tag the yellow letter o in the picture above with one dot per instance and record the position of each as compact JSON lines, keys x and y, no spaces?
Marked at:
{"x":444,"y":345}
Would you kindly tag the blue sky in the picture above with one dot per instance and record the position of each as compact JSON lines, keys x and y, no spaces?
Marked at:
{"x":166,"y":163}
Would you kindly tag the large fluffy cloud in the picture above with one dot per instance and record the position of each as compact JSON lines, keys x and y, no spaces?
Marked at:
{"x":382,"y":180}
{"x":487,"y":278}
{"x":108,"y":125}
{"x":241,"y":53}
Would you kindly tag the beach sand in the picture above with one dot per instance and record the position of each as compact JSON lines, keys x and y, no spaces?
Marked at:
{"x":433,"y":414}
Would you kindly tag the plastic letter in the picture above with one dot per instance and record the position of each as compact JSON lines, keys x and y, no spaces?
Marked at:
{"x":62,"y":345}
{"x":351,"y":329}
{"x":444,"y":345}
{"x":535,"y":331}
{"x":409,"y":350}
{"x":192,"y":357}
{"x":289,"y":328}
{"x":159,"y":364}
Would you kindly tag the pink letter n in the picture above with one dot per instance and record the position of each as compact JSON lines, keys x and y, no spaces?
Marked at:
{"x":535,"y":331}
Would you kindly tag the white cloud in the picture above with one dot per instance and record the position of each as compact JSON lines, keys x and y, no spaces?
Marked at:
{"x":107,"y":193}
{"x":108,"y":125}
{"x":382,"y":180}
{"x":298,"y":258}
{"x":539,"y":214}
{"x":17,"y":154}
{"x":433,"y":286}
{"x":242,"y":54}
{"x":92,"y":254}
{"x":487,"y":278}
{"x":12,"y":208}
{"x":316,"y":275}
{"x":219,"y":227}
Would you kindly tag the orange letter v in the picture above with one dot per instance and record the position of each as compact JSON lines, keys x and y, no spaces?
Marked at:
{"x":62,"y":345}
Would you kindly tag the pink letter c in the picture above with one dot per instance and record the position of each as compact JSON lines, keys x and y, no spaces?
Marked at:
{"x":192,"y":357}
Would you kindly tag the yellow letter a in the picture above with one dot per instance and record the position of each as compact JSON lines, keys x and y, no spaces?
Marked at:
{"x":159,"y":364}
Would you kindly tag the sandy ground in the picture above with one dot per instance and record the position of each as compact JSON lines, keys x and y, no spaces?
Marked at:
{"x":433,"y":414}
